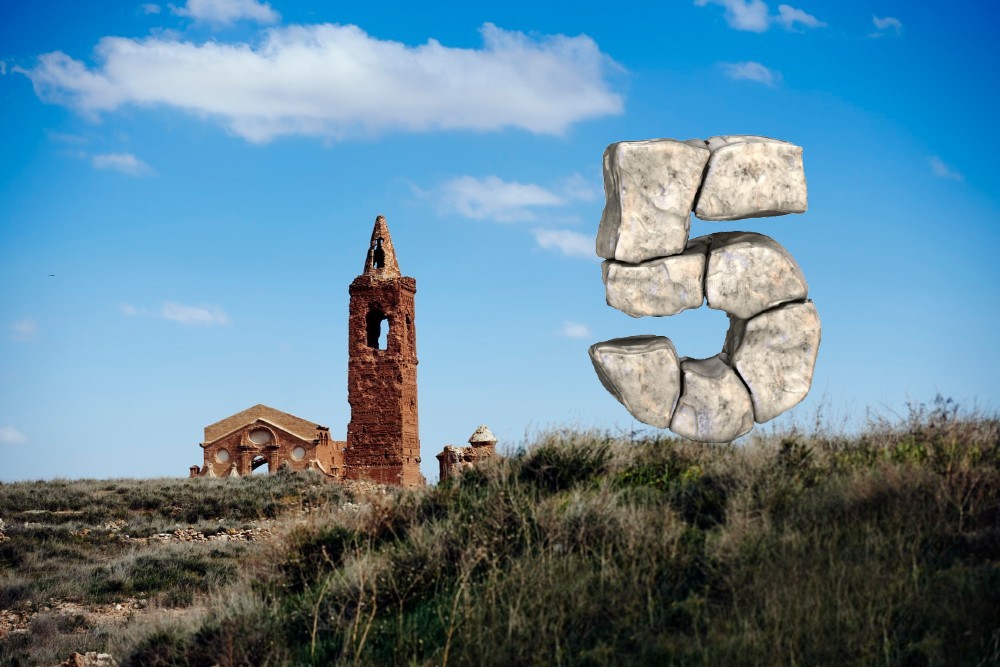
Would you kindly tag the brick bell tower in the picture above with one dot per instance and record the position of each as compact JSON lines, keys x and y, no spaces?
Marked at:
{"x":383,"y":442}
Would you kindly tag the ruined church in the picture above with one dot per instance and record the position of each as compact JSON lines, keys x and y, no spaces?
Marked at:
{"x":383,"y":442}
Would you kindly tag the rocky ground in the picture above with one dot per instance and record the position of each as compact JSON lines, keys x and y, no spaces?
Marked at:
{"x":81,"y":562}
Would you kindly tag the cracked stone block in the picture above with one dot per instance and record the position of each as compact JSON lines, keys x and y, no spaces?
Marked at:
{"x":749,"y":273}
{"x":643,"y":373}
{"x":649,"y":188}
{"x":715,"y":405}
{"x":775,"y":354}
{"x":658,"y":287}
{"x":752,"y":177}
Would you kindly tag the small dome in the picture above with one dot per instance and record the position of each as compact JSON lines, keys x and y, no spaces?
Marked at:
{"x":482,"y":435}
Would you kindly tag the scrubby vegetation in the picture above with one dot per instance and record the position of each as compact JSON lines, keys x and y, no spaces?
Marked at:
{"x":583,"y":549}
{"x":79,"y":558}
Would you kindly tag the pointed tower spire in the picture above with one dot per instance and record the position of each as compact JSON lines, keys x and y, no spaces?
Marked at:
{"x":381,"y":261}
{"x":383,"y":439}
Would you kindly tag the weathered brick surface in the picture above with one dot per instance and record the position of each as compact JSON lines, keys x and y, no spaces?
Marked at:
{"x":291,"y":423}
{"x":241,"y":452}
{"x":453,"y":460}
{"x":383,"y":443}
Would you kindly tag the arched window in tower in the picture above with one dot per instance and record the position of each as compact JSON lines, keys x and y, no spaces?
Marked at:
{"x":378,"y":257}
{"x":377,"y":325}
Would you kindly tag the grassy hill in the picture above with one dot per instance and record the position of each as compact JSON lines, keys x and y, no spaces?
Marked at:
{"x":583,"y":549}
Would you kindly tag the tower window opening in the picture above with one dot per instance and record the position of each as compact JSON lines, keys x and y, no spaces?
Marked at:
{"x":378,"y":257}
{"x":378,"y":329}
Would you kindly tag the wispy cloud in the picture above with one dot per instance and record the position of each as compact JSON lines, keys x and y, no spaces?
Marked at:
{"x":3,"y":68}
{"x":569,"y":243}
{"x":224,"y":12}
{"x":886,"y":24}
{"x":492,"y":198}
{"x":941,"y":170}
{"x":752,"y":71}
{"x":210,"y":315}
{"x":755,"y":15}
{"x":24,"y":329}
{"x":126,"y":163}
{"x":150,"y":8}
{"x":574,"y":330}
{"x":791,"y":18}
{"x":749,"y":15}
{"x":11,"y":436}
{"x":336,"y":82}
{"x":175,"y":312}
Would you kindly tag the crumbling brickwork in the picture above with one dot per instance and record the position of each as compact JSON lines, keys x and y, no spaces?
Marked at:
{"x":383,"y":444}
{"x":261,"y":435}
{"x":453,"y":460}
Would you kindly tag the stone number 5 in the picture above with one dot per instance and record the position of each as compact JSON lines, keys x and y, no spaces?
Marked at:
{"x":651,"y":268}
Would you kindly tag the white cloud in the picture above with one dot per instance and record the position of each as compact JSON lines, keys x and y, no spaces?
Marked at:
{"x":883,"y":24}
{"x":492,"y":198}
{"x":941,"y":170}
{"x":495,"y":199}
{"x":126,"y":163}
{"x":569,"y":243}
{"x":579,"y":188}
{"x":11,"y":436}
{"x":150,"y":8}
{"x":574,"y":330}
{"x":176,"y":312}
{"x":336,"y":81}
{"x":24,"y":329}
{"x":755,"y":16}
{"x":752,"y":71}
{"x":209,"y":315}
{"x":749,"y":15}
{"x":3,"y":68}
{"x":788,"y":17}
{"x":224,"y":12}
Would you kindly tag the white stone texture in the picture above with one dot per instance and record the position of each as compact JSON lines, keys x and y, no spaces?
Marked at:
{"x":715,"y":405}
{"x":752,"y":177}
{"x":658,"y":287}
{"x":649,"y":189}
{"x":482,"y":434}
{"x":775,"y":354}
{"x":749,"y":273}
{"x":643,"y":373}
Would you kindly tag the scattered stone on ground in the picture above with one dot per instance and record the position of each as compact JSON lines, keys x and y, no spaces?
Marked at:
{"x":89,"y":659}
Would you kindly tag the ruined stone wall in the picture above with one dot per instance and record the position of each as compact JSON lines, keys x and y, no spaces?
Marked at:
{"x":453,"y":460}
{"x":383,"y":442}
{"x":238,"y":450}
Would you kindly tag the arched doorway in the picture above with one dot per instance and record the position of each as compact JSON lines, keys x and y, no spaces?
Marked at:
{"x":260,"y":465}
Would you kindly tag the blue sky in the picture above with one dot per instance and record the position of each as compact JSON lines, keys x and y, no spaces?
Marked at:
{"x":202,"y":179}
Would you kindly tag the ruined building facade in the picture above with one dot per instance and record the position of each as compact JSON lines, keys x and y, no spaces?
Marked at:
{"x":453,"y":460}
{"x":383,"y":442}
